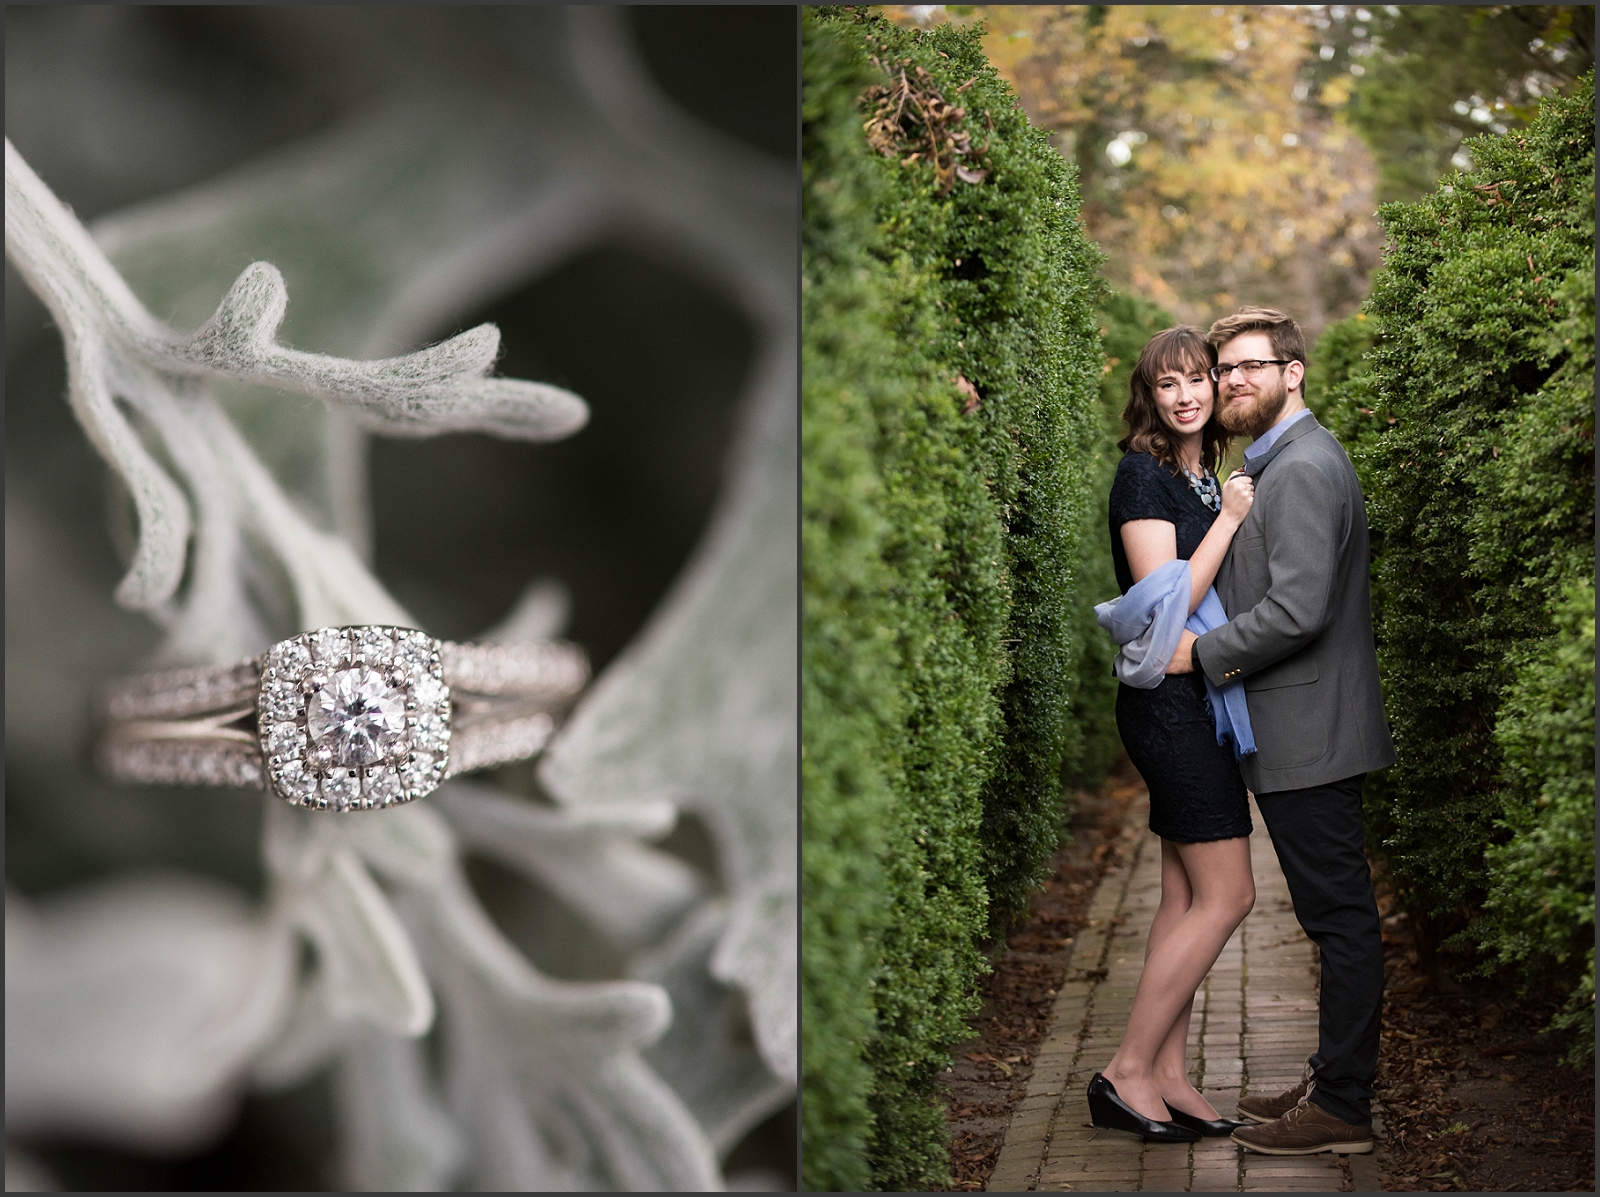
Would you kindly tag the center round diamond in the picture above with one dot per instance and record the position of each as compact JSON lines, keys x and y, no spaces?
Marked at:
{"x":358,"y":715}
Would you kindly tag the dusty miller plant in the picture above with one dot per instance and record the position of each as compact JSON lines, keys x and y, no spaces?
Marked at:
{"x":137,"y":1010}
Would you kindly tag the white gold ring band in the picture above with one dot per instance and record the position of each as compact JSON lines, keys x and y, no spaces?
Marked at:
{"x":341,"y":719}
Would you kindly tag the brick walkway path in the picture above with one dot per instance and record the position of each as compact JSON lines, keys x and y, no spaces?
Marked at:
{"x":1254,"y":1024}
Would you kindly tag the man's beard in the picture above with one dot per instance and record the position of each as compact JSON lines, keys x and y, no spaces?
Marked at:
{"x":1253,"y":415}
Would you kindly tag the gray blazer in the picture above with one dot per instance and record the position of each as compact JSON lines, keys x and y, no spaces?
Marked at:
{"x":1299,"y":630}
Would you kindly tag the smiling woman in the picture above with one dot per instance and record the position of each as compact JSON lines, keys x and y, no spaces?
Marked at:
{"x":1171,"y":525}
{"x":1173,"y":372}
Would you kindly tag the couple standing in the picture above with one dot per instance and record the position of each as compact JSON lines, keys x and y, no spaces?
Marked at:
{"x":1275,"y":688}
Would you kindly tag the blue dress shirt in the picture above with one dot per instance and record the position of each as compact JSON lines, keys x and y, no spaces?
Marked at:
{"x":1266,"y":440}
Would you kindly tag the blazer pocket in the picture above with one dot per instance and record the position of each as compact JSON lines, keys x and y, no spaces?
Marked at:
{"x":1248,"y":548}
{"x":1247,"y":562}
{"x":1296,"y":671}
{"x":1289,"y":719}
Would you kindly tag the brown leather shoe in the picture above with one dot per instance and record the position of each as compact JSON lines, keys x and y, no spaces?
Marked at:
{"x":1306,"y":1130}
{"x":1269,"y":1109}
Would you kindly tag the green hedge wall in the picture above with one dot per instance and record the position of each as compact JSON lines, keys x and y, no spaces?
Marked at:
{"x":1465,"y":390}
{"x":850,"y":695}
{"x":1539,"y":915}
{"x":950,"y":370}
{"x":902,"y":667}
{"x":1014,"y":281}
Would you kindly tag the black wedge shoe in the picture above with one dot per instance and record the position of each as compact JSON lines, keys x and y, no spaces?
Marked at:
{"x":1209,"y":1130}
{"x":1108,"y":1110}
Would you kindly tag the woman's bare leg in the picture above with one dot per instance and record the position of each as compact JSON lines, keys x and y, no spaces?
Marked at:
{"x":1171,"y":1071}
{"x":1171,"y":1065}
{"x":1211,"y":892}
{"x":1176,"y":898}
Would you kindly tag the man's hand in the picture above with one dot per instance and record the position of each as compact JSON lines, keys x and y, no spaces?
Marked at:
{"x":1183,"y":659}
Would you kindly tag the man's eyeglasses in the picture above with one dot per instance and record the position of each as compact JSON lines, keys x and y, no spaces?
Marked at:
{"x":1251,"y":368}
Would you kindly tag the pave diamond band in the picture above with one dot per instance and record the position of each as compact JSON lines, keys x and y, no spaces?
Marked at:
{"x":342,"y":719}
{"x":550,"y":668}
{"x":174,"y":693}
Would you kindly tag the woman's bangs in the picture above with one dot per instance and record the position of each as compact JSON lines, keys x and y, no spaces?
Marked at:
{"x":1178,"y":355}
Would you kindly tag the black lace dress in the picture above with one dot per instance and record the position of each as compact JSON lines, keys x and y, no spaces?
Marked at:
{"x":1196,"y":793}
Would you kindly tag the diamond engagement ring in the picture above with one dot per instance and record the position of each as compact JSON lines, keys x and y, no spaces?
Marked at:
{"x":341,"y":719}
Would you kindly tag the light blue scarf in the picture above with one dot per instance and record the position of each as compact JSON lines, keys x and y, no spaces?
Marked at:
{"x":1147,"y":624}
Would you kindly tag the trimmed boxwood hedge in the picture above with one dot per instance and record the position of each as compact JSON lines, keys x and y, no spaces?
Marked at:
{"x":851,"y":704}
{"x":1014,"y":282}
{"x":950,"y":372}
{"x":905,"y":600}
{"x":1465,"y":390}
{"x":1539,"y":915}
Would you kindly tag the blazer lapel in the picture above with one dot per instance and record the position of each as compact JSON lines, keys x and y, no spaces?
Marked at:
{"x":1300,"y":428}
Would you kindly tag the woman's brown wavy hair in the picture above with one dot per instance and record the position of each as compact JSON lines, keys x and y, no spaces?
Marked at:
{"x":1178,"y":349}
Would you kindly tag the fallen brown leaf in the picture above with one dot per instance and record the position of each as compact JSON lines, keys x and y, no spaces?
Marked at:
{"x":971,"y":392}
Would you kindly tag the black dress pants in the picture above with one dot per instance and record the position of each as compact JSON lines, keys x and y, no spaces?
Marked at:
{"x":1317,"y":834}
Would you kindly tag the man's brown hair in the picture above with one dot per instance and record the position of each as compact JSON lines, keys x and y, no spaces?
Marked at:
{"x":1288,"y":342}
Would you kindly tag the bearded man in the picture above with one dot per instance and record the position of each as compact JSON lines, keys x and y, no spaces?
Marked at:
{"x":1299,"y":634}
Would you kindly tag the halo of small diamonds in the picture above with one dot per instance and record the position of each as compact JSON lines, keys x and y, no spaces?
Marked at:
{"x":354,"y":718}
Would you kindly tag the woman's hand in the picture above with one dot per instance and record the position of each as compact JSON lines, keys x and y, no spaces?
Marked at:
{"x":1238,"y":495}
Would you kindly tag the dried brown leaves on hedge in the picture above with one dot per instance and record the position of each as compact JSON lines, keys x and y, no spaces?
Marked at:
{"x":912,"y":122}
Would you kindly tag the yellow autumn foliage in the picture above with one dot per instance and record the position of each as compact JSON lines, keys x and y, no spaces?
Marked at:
{"x":1216,"y":169}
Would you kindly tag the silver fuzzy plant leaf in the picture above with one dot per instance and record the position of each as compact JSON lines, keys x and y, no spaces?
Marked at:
{"x":369,"y":977}
{"x":547,"y":1084}
{"x":729,"y":1091}
{"x":545,"y":1075}
{"x":701,"y":712}
{"x":117,"y":350}
{"x":591,"y":857}
{"x":702,"y":709}
{"x":134,"y":1007}
{"x":397,"y":1136}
